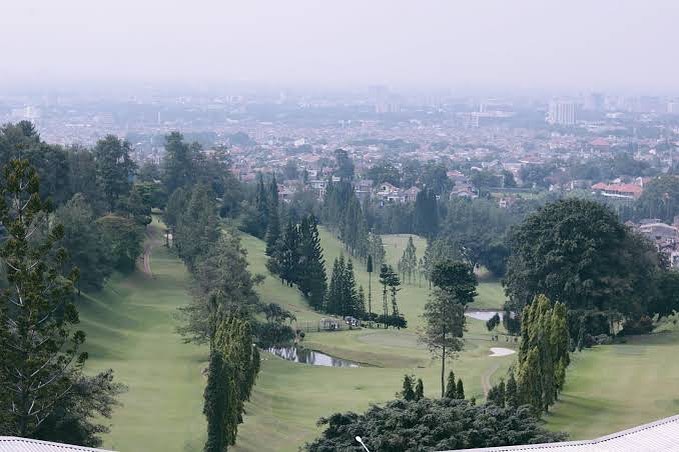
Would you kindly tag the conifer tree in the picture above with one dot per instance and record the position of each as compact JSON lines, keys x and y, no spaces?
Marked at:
{"x":216,"y":402}
{"x":350,"y":300}
{"x":40,"y":356}
{"x":273,"y":231}
{"x":360,"y":307}
{"x":419,"y":389}
{"x":335,"y":289}
{"x":262,"y":206}
{"x":451,"y":389}
{"x":407,"y":393}
{"x":289,"y":261}
{"x":385,"y":278}
{"x":511,"y":392}
{"x":459,"y":391}
{"x":313,"y":280}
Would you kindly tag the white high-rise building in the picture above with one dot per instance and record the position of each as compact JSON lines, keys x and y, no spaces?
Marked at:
{"x":561,"y":112}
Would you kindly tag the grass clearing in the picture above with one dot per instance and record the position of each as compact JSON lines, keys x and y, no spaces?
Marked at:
{"x":615,"y":387}
{"x":130,"y":328}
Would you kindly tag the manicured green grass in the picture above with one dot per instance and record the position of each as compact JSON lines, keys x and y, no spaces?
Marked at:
{"x":289,"y":397}
{"x":614,"y":387}
{"x":131,"y":329}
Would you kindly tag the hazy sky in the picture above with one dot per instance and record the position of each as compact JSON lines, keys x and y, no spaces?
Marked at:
{"x":571,"y":44}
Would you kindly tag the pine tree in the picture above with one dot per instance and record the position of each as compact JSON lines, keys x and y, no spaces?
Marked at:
{"x":511,"y":392}
{"x":313,"y":280}
{"x":419,"y":389}
{"x":273,"y":231}
{"x":262,"y":206}
{"x":385,"y":278}
{"x":40,"y":360}
{"x":350,"y":300}
{"x":394,"y":288}
{"x":289,"y":262}
{"x":459,"y":391}
{"x":360,"y":307}
{"x":334,"y":297}
{"x":451,"y":389}
{"x":407,"y":393}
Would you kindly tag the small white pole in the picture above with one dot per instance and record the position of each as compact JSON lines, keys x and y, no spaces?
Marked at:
{"x":358,"y":438}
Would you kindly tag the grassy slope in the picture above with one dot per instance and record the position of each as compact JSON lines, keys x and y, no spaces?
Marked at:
{"x":131,"y":328}
{"x":289,"y":398}
{"x":610,"y":388}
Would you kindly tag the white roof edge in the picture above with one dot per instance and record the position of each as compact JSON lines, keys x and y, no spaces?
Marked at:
{"x":49,"y":446}
{"x":564,"y":444}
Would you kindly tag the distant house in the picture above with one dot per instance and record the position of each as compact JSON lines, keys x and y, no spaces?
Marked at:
{"x":624,"y":191}
{"x":410,"y":194}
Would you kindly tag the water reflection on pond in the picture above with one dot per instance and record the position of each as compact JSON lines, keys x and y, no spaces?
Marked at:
{"x":306,"y":356}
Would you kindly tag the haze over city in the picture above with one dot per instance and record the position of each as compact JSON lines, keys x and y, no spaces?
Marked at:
{"x":339,"y":225}
{"x":519,"y":45}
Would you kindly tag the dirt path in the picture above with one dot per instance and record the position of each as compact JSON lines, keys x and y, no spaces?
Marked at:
{"x":485,"y":377}
{"x":146,"y":257}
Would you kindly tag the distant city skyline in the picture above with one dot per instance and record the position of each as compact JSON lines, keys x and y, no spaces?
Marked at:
{"x":517,"y":46}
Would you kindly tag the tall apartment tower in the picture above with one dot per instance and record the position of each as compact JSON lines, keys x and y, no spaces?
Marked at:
{"x":561,"y":112}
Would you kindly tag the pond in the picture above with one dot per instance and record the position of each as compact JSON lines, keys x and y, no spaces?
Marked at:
{"x":307,"y":356}
{"x":483,"y":315}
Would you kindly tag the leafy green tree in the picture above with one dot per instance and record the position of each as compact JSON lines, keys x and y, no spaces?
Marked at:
{"x":660,"y":198}
{"x":178,"y":164}
{"x":84,"y":243}
{"x":41,"y":364}
{"x":220,"y":276}
{"x":115,"y":169}
{"x":124,"y":238}
{"x":384,"y":172}
{"x":454,"y":288}
{"x":400,"y":425}
{"x":576,"y":252}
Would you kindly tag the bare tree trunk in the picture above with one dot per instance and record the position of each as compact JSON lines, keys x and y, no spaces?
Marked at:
{"x":443,"y":371}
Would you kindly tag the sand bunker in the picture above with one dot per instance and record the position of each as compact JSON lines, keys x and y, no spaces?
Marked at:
{"x":500,"y":351}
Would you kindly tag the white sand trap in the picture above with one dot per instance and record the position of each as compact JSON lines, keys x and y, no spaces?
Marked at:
{"x":500,"y":351}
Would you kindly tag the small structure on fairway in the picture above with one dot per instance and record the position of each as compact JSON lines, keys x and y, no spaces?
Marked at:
{"x":328,"y":324}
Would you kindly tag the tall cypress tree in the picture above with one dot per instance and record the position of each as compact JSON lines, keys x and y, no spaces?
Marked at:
{"x":216,"y":403}
{"x":511,"y":392}
{"x":273,"y":231}
{"x":451,"y":389}
{"x":262,"y":205}
{"x":419,"y":389}
{"x":459,"y":390}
